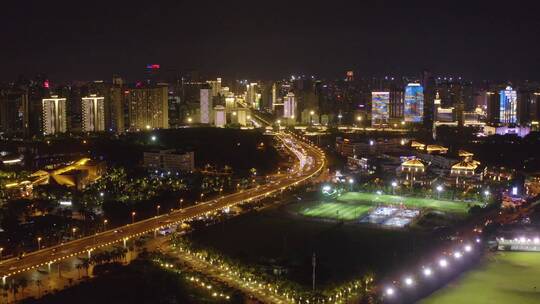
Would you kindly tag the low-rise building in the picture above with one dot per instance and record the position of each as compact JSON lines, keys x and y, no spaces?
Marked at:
{"x":169,"y":160}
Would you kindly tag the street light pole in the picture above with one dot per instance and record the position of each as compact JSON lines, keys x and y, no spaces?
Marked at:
{"x":439,"y":190}
{"x":105,"y":224}
{"x":39,"y":242}
{"x":157,"y":210}
{"x":133,"y":217}
{"x":394,"y":185}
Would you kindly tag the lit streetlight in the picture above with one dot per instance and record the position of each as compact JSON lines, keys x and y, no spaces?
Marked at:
{"x":157,"y":210}
{"x":133,"y":217}
{"x":73,"y":230}
{"x":439,"y":190}
{"x":427,"y":272}
{"x":394,"y":185}
{"x":105,"y":224}
{"x":1,"y":249}
{"x":443,"y":263}
{"x":39,"y":242}
{"x":409,"y":281}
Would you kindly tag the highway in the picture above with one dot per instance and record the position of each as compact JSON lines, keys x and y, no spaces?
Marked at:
{"x":311,"y":161}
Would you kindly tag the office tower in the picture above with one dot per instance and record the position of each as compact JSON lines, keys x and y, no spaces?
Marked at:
{"x":508,"y":106}
{"x":54,"y":115}
{"x":14,"y":111}
{"x":215,"y":86}
{"x":493,"y":106}
{"x":428,"y":84}
{"x":436,"y":105}
{"x":379,"y":108}
{"x":266,"y":96}
{"x":251,"y":95}
{"x":117,"y":109}
{"x":93,"y":113}
{"x":148,"y":107}
{"x":274,"y":96}
{"x":289,"y":106}
{"x":206,"y":106}
{"x":414,"y":103}
{"x":230,"y":102}
{"x":220,"y":119}
{"x":241,"y":116}
{"x":396,"y":106}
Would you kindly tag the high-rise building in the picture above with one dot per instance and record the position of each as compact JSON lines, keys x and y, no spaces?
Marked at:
{"x":396,"y":106}
{"x":508,"y":106}
{"x":14,"y":110}
{"x":379,"y":108}
{"x":289,"y":107}
{"x":148,"y":108}
{"x":54,"y":115}
{"x":206,"y":106}
{"x":414,"y":103}
{"x":251,"y":95}
{"x":93,"y":113}
{"x":241,"y":116}
{"x":220,"y":118}
{"x":428,"y":84}
{"x":493,"y":106}
{"x":230,"y":101}
{"x":215,"y":86}
{"x":274,"y":96}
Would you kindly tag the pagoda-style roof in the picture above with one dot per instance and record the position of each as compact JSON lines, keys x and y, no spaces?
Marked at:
{"x":466,"y":165}
{"x":436,"y":148}
{"x":463,"y":153}
{"x":413,"y":163}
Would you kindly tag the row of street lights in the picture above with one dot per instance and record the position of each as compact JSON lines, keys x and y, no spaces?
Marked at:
{"x":427,"y":272}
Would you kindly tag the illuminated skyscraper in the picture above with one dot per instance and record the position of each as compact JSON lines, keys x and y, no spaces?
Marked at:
{"x":379,"y":108}
{"x":148,"y":108}
{"x":220,"y":119}
{"x":93,"y":113}
{"x":54,"y":115}
{"x":251,"y":95}
{"x":215,"y":85}
{"x":206,"y":106}
{"x":289,"y":108}
{"x":414,"y":103}
{"x":508,"y":106}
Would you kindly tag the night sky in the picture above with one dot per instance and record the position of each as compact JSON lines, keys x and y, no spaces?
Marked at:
{"x":86,"y":40}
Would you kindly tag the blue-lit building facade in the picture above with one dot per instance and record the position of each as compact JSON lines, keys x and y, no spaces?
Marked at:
{"x":508,"y":106}
{"x":414,"y":103}
{"x":379,"y":108}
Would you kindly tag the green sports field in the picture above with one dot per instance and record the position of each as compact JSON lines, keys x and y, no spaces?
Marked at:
{"x":373,"y":199}
{"x":507,"y":277}
{"x":338,"y":211}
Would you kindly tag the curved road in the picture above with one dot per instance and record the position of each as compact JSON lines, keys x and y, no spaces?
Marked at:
{"x":311,"y":161}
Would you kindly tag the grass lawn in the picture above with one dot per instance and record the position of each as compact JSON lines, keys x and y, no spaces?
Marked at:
{"x":508,"y":277}
{"x":338,"y":211}
{"x":415,"y":202}
{"x":344,"y":252}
